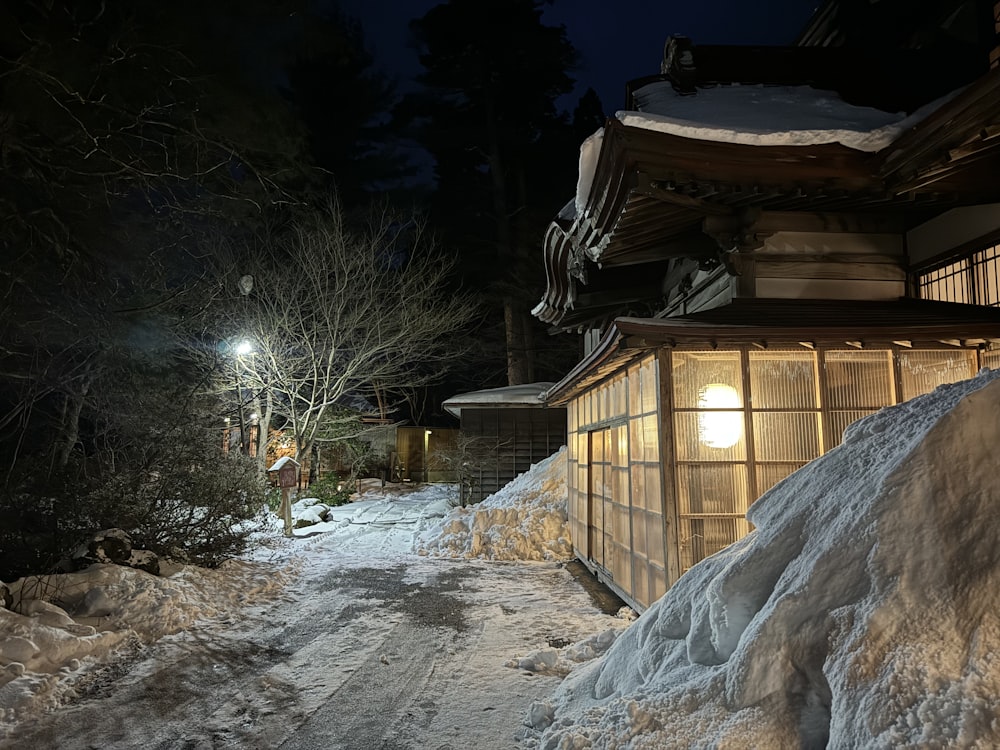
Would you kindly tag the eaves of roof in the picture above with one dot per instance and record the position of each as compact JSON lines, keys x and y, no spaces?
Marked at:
{"x":652,"y":189}
{"x":768,"y":323}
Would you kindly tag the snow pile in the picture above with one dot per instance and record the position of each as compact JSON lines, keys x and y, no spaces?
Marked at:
{"x":524,"y":520}
{"x":562,"y":661}
{"x":863,"y":611}
{"x":58,"y":621}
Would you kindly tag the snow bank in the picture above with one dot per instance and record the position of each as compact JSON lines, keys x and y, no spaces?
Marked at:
{"x":524,"y":520}
{"x":58,"y":621}
{"x":863,"y":611}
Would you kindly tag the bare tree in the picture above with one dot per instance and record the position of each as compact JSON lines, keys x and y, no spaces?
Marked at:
{"x":337,"y":314}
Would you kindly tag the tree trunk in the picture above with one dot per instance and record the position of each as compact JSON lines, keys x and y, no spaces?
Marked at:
{"x":507,"y":253}
{"x":69,"y":425}
{"x":518,"y":366}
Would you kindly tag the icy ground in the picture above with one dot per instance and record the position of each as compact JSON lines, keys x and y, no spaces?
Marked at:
{"x":344,"y":637}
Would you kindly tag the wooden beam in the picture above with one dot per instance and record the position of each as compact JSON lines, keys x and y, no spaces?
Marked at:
{"x":664,"y":191}
{"x":770,"y":222}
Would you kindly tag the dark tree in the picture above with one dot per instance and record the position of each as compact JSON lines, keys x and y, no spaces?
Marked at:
{"x":132,"y":135}
{"x":344,"y":104}
{"x":504,"y":154}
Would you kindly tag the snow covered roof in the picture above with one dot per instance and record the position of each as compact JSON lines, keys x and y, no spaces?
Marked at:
{"x":763,"y":115}
{"x":526,"y":395}
{"x":281,"y":462}
{"x":649,"y":178}
{"x":753,"y":115}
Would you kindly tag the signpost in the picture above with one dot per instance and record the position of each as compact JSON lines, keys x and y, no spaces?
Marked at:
{"x":288,"y":477}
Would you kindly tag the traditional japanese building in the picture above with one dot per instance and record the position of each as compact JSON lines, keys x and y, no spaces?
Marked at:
{"x":766,"y":245}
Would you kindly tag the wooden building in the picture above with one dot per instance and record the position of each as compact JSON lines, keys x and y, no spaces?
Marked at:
{"x":756,"y":262}
{"x":504,"y":431}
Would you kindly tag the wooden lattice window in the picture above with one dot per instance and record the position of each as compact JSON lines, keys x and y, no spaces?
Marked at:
{"x":974,"y":279}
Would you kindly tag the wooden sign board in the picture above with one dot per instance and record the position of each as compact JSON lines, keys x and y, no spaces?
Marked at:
{"x":288,"y":475}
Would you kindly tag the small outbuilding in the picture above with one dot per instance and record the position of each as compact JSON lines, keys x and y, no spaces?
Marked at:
{"x":504,"y":431}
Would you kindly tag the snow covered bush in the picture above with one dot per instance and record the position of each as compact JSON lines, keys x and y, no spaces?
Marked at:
{"x":197,"y":512}
{"x":194,"y":508}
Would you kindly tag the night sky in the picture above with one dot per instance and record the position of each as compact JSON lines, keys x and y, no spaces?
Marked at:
{"x":617,"y":41}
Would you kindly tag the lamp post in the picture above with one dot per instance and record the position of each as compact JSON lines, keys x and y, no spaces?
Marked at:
{"x":243,"y":348}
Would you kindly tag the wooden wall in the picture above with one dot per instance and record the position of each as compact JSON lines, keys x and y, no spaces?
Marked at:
{"x":518,"y":438}
{"x":825,"y":265}
{"x":410,"y":443}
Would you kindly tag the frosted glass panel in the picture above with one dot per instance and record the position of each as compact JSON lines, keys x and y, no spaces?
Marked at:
{"x":769,"y":475}
{"x":641,"y":583}
{"x":712,"y":488}
{"x":654,"y":539}
{"x":696,"y":436}
{"x":786,"y":436}
{"x":986,"y":265}
{"x":783,"y":380}
{"x":859,"y":378}
{"x":923,"y":371}
{"x":649,"y":385}
{"x":639,"y":531}
{"x":651,"y":478}
{"x":693,"y":372}
{"x":703,"y":537}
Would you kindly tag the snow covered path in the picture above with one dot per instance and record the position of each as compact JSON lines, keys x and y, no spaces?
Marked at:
{"x":397,"y":652}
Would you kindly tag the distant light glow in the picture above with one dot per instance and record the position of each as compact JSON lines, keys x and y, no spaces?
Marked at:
{"x":244,"y":347}
{"x":719,"y":429}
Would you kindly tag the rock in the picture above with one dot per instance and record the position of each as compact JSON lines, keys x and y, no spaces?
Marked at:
{"x":143,"y":559}
{"x":108,"y":546}
{"x":5,"y":596}
{"x":540,"y":715}
{"x":96,"y":603}
{"x":114,"y":546}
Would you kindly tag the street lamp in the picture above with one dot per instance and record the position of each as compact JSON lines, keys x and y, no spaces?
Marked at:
{"x":242,"y":349}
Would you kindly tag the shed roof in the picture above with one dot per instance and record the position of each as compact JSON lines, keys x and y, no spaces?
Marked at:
{"x":527,"y":395}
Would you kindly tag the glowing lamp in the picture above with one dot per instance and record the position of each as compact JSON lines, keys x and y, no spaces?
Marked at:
{"x":719,"y":429}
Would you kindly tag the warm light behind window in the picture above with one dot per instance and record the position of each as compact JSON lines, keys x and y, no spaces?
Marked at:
{"x":721,"y":429}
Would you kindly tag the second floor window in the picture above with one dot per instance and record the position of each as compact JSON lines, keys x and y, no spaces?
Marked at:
{"x":974,"y":279}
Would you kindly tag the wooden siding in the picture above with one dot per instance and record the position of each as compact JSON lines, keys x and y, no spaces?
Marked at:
{"x":521,"y":437}
{"x":827,"y":265}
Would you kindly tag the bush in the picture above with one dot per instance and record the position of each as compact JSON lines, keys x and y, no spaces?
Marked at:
{"x":32,"y":539}
{"x":202,"y":512}
{"x":200,"y":509}
{"x":331,"y":490}
{"x":272,"y":497}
